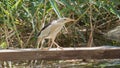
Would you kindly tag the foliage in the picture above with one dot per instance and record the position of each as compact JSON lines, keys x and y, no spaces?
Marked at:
{"x":21,"y":20}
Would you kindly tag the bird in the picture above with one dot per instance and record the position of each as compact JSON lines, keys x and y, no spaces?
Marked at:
{"x":51,"y":30}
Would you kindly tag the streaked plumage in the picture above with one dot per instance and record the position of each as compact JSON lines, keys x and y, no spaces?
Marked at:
{"x":51,"y":30}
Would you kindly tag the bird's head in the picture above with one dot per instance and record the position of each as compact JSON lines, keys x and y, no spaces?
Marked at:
{"x":64,"y":20}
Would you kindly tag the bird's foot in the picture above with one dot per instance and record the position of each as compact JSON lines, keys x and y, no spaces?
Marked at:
{"x":41,"y":48}
{"x":60,"y":47}
{"x":44,"y":48}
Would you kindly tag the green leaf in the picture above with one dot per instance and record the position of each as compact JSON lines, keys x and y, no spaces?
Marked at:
{"x":3,"y":45}
{"x":16,"y":4}
{"x":68,"y":4}
{"x":55,"y":7}
{"x":113,"y":10}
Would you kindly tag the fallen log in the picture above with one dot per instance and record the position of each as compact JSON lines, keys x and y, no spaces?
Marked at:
{"x":103,"y":52}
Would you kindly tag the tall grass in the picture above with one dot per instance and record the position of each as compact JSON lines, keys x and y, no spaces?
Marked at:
{"x":21,"y":20}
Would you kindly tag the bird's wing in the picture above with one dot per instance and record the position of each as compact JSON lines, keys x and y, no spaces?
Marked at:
{"x":45,"y":32}
{"x":46,"y":26}
{"x":43,"y":28}
{"x":55,"y":29}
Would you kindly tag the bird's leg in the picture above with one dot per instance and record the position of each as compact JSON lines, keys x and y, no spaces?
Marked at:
{"x":40,"y":40}
{"x":51,"y":45}
{"x":49,"y":42}
{"x":57,"y":45}
{"x":53,"y":42}
{"x":52,"y":39}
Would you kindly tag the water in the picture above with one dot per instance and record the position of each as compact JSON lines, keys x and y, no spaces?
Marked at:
{"x":63,"y":64}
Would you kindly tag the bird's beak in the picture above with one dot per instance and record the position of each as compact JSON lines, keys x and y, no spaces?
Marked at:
{"x":71,"y":20}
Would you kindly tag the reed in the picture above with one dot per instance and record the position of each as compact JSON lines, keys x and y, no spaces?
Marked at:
{"x":21,"y":20}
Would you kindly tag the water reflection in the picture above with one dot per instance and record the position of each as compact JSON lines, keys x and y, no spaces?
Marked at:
{"x":104,"y":63}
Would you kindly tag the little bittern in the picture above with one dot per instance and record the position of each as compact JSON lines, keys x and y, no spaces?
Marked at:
{"x":51,"y":30}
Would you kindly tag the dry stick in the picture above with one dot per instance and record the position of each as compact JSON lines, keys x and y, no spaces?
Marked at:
{"x":90,"y":41}
{"x":82,"y":14}
{"x":34,"y":29}
{"x":6,"y":35}
{"x":107,"y":17}
{"x":42,"y":61}
{"x":30,"y":37}
{"x":80,"y":17}
{"x":91,"y":34}
{"x":41,"y":64}
{"x":105,"y":23}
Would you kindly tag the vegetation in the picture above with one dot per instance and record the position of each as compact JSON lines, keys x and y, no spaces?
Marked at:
{"x":21,"y":20}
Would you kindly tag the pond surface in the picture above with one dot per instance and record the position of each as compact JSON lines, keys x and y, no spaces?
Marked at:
{"x":63,"y":64}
